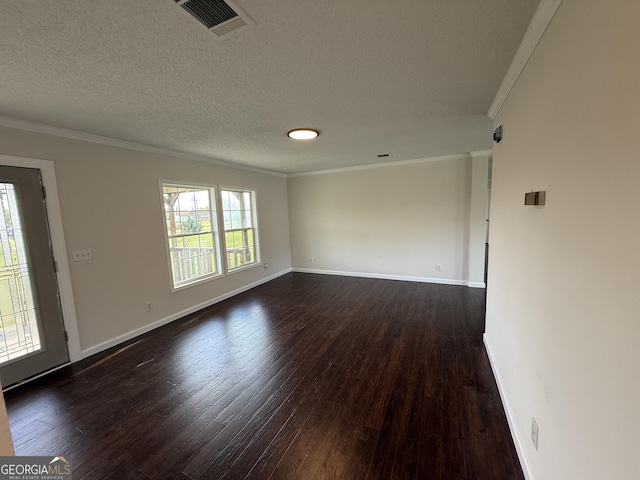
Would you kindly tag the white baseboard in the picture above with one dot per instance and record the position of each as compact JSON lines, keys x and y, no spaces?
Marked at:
{"x":163,"y":321}
{"x":476,"y":285}
{"x":515,"y":434}
{"x":383,"y":276}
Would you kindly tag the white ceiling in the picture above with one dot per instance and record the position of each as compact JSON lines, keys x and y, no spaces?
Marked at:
{"x":414,"y":78}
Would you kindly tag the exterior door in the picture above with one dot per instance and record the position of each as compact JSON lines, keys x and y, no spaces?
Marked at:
{"x":32,"y":333}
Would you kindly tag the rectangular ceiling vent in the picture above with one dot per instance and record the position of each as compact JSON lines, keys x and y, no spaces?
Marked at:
{"x":222,"y":18}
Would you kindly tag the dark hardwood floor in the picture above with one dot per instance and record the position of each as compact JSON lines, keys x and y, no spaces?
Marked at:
{"x":306,"y":377}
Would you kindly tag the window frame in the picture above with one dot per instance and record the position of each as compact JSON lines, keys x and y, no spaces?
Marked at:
{"x":256,"y":229}
{"x":214,"y":215}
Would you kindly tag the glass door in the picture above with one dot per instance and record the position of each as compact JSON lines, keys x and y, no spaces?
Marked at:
{"x":32,"y":333}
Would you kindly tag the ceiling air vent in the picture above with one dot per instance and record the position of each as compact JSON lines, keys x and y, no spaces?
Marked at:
{"x":221,"y":18}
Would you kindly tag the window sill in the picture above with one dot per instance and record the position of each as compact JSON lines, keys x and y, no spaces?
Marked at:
{"x":244,"y":267}
{"x":195,"y":283}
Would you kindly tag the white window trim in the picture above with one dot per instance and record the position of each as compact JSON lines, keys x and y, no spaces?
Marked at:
{"x":216,"y":235}
{"x":223,"y":245}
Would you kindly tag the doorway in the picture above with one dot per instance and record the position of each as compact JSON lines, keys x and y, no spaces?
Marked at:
{"x":32,"y":332}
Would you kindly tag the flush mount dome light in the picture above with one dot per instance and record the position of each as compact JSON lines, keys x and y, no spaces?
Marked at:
{"x":303,"y":134}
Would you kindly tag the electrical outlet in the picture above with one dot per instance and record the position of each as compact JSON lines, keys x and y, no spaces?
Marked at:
{"x":534,"y":432}
{"x":266,"y":265}
{"x":438,"y":267}
{"x":148,"y":306}
{"x":310,"y":259}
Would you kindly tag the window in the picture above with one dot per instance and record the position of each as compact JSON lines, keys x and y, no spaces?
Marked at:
{"x":192,"y":233}
{"x":240,"y":228}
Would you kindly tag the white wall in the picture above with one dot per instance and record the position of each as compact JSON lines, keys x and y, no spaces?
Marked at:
{"x":110,"y":203}
{"x":563,"y":310}
{"x":478,"y":212}
{"x":393,"y":222}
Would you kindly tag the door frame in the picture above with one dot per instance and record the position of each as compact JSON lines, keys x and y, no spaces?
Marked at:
{"x":58,"y":245}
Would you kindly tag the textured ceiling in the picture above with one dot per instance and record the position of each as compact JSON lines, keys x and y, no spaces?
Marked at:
{"x":413,"y":78}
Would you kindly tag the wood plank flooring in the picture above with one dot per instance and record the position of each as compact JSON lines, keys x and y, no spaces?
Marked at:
{"x":306,"y":377}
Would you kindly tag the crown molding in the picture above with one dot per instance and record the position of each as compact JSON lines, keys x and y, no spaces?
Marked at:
{"x":539,"y":23}
{"x":381,"y":165}
{"x":113,"y":142}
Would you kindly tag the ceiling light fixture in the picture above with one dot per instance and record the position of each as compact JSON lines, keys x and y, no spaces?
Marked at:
{"x":303,"y":134}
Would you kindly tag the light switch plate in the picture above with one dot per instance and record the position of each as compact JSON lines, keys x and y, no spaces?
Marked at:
{"x":82,"y":255}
